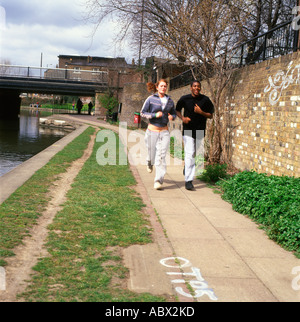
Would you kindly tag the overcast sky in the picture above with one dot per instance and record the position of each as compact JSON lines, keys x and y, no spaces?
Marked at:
{"x":52,"y":27}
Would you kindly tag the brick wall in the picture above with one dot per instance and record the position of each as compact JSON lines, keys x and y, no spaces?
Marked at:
{"x":117,"y":80}
{"x":262,"y":106}
{"x":134,"y":95}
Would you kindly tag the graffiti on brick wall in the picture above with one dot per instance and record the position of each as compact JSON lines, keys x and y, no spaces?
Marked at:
{"x":282,"y":81}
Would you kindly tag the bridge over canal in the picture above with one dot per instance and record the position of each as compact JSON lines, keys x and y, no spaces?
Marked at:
{"x":15,"y":80}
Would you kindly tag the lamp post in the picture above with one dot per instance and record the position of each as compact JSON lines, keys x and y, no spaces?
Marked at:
{"x":141,"y":35}
{"x":41,"y":65}
{"x":296,"y":26}
{"x":298,"y":47}
{"x":66,"y":72}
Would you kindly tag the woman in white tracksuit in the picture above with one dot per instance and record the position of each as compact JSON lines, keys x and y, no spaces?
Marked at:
{"x":159,"y":109}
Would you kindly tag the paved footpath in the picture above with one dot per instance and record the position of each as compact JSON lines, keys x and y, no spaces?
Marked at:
{"x":221,"y":255}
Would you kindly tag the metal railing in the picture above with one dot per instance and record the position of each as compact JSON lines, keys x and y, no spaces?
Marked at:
{"x":282,"y":40}
{"x":182,"y":80}
{"x":277,"y":42}
{"x":60,"y":74}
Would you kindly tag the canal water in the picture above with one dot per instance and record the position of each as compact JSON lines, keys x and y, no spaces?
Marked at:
{"x":23,"y":138}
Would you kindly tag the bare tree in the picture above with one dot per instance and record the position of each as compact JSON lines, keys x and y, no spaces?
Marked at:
{"x":202,"y":33}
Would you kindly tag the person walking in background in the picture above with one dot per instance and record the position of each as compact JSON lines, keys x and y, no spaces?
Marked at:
{"x":90,"y":107}
{"x":159,"y":109}
{"x":79,"y":105}
{"x":197,"y":109}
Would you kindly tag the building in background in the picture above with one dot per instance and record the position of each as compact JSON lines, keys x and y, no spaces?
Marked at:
{"x":114,"y":71}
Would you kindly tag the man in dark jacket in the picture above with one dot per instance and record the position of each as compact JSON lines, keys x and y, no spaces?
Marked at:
{"x":197,"y":109}
{"x":79,"y":105}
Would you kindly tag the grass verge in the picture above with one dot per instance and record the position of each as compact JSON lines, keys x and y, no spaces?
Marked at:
{"x":102,"y":215}
{"x":21,"y":210}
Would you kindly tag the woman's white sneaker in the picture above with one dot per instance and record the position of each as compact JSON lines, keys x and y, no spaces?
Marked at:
{"x":157,"y":185}
{"x":149,"y":167}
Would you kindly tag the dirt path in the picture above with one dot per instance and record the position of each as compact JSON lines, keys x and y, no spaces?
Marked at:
{"x":19,"y":268}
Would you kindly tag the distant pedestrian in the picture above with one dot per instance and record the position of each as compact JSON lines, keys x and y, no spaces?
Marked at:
{"x":159,"y":109}
{"x":90,"y":107}
{"x":79,"y":105}
{"x":197,"y":109}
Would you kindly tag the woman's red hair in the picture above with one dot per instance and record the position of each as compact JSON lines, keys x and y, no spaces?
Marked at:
{"x":152,"y":87}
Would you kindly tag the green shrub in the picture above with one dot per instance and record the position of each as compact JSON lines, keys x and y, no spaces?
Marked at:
{"x":272,"y":201}
{"x":109,"y":102}
{"x":214,"y":172}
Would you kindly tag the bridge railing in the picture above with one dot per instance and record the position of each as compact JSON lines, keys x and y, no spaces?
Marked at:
{"x":93,"y":76}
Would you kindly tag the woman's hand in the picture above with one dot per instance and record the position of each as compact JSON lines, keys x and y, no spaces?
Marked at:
{"x":159,"y":114}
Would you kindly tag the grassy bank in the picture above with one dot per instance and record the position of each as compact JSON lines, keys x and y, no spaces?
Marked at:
{"x":66,"y":106}
{"x":21,"y":210}
{"x":101,"y":216}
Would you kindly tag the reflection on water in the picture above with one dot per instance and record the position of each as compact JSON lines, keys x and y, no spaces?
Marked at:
{"x":23,"y":138}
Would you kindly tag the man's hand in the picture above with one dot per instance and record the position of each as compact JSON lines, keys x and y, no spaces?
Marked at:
{"x":198,"y":109}
{"x":186,"y":120}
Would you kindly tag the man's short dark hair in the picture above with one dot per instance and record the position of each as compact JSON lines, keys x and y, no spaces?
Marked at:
{"x":195,"y":81}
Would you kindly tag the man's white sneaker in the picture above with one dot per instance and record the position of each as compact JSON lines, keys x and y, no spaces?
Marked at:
{"x":157,"y":185}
